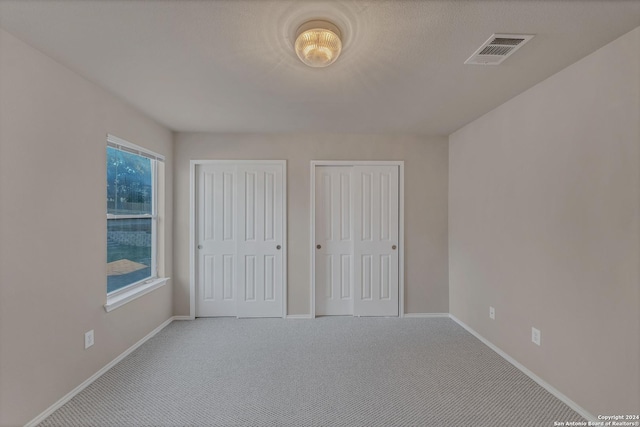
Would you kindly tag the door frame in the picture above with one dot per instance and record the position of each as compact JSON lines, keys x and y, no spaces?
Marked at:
{"x":312,"y":258}
{"x":193,"y":225}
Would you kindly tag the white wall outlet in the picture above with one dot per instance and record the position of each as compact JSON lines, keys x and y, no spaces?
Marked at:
{"x":535,"y":336}
{"x":492,"y":313}
{"x":88,"y":339}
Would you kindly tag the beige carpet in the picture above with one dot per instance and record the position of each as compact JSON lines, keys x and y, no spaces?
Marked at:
{"x":338,"y":371}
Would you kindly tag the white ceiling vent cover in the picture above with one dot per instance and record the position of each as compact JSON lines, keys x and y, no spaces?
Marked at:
{"x":498,"y":48}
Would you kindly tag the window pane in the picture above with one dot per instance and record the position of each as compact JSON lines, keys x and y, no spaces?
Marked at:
{"x":129,"y":183}
{"x":128,"y":251}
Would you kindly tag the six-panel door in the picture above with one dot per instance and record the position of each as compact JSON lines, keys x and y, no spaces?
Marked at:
{"x":240,"y":240}
{"x":334,"y":240}
{"x":376,"y":221}
{"x":216,"y":237}
{"x":240,"y":210}
{"x":260,"y":240}
{"x":356,"y":240}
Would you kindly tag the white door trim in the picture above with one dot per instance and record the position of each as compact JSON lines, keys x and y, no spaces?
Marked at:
{"x":192,"y":225}
{"x":312,"y":257}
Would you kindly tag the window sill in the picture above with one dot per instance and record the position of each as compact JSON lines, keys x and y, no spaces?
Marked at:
{"x":123,"y":298}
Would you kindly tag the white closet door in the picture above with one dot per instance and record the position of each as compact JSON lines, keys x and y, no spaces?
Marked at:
{"x":376,"y":197}
{"x":334,"y":240}
{"x":260,"y":240}
{"x":216,"y":235}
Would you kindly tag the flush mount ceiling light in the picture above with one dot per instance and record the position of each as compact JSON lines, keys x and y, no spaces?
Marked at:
{"x":318,"y":43}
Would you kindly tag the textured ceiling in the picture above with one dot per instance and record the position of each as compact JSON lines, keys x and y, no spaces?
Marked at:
{"x":229,"y":66}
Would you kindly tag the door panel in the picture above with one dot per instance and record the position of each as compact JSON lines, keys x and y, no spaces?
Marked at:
{"x":240,"y":210}
{"x":216,"y":228}
{"x":334,"y":234}
{"x":260,"y":240}
{"x":376,"y":208}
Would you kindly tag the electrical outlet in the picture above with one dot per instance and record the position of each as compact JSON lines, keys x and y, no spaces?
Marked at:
{"x":535,"y":336}
{"x":492,"y":313}
{"x":88,"y":339}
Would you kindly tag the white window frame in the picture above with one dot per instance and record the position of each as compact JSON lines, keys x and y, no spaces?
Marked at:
{"x":134,"y":290}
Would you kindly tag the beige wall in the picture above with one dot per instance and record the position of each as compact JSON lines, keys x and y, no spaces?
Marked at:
{"x":544,"y":226}
{"x":53,"y":127}
{"x":426,"y":281}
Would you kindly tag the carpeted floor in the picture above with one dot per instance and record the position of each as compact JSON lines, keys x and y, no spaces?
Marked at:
{"x":332,"y":371}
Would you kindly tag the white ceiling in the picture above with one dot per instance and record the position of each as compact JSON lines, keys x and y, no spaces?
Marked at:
{"x":229,"y":66}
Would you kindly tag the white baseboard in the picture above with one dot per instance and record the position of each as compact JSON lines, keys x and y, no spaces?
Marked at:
{"x":570,"y":403}
{"x":426,"y":315}
{"x":51,"y":409}
{"x":308,"y":316}
{"x":183,"y":318}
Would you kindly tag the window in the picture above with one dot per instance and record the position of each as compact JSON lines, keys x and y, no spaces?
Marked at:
{"x":132,"y":217}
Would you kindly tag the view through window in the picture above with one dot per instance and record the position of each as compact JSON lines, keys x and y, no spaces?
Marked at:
{"x":131,"y":218}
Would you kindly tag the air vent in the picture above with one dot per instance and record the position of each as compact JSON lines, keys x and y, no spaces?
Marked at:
{"x":498,"y":48}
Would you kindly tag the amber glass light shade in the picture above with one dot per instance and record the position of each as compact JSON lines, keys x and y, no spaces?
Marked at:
{"x":318,"y":43}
